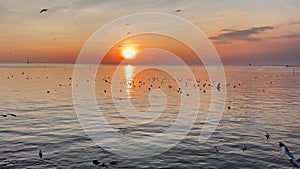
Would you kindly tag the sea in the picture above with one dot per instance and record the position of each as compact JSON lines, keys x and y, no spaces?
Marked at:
{"x":131,"y":109}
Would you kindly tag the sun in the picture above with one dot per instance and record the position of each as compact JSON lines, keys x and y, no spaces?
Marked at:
{"x":129,"y":53}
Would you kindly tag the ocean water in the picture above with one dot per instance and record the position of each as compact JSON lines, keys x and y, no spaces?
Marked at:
{"x":262,"y":99}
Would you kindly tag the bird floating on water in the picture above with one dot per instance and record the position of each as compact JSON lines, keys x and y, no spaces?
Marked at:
{"x":113,"y":163}
{"x":10,"y":114}
{"x":244,"y":147}
{"x":96,"y":162}
{"x":123,"y":130}
{"x":41,"y":154}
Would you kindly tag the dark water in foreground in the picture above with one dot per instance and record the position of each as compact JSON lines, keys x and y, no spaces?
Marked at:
{"x":264,"y":99}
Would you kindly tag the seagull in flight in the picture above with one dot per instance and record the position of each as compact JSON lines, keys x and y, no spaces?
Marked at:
{"x":44,"y":10}
{"x":267,"y":136}
{"x":218,"y":87}
{"x":285,"y":150}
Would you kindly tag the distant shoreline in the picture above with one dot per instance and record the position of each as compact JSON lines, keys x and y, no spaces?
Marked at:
{"x":93,"y":64}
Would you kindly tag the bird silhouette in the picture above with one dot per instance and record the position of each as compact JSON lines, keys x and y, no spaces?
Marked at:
{"x":123,"y":130}
{"x":267,"y":136}
{"x":10,"y":114}
{"x":244,"y":147}
{"x":96,"y":162}
{"x":41,"y":154}
{"x":286,"y":151}
{"x":218,"y":87}
{"x":43,"y":10}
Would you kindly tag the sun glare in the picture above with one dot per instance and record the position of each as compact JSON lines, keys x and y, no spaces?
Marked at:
{"x":129,"y":53}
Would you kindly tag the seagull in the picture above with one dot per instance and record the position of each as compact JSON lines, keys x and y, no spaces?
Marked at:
{"x":178,"y":10}
{"x":41,"y":154}
{"x":218,"y":87}
{"x":10,"y":114}
{"x":295,"y":163}
{"x":267,"y":136}
{"x":285,"y":150}
{"x":43,"y":10}
{"x":244,"y":148}
{"x":96,"y":162}
{"x":123,"y":130}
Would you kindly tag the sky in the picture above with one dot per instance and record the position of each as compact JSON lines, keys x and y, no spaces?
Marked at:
{"x":260,"y":32}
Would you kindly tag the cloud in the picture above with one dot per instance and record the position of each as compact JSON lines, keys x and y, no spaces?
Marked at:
{"x":288,"y":36}
{"x":295,"y":23}
{"x":229,"y":35}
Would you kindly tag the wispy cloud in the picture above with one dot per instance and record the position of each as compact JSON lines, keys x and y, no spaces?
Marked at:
{"x":229,"y":35}
{"x":295,"y":23}
{"x":288,"y":36}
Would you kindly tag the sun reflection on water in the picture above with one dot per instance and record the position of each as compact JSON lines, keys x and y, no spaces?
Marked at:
{"x":129,"y":78}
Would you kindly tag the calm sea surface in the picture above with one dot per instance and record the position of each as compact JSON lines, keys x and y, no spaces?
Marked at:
{"x":262,"y":99}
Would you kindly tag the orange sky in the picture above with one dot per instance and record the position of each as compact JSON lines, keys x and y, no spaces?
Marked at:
{"x":150,"y":41}
{"x":258,"y":32}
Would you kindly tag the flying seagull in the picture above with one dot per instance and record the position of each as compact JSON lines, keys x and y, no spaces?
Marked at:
{"x":43,"y":10}
{"x":267,"y":136}
{"x":218,"y":87}
{"x":285,"y":150}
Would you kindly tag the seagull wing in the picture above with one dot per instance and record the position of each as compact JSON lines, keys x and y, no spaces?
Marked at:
{"x":286,"y":151}
{"x":298,"y":161}
{"x":290,"y":155}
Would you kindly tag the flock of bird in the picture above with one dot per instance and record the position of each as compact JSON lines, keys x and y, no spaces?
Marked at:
{"x":295,"y":162}
{"x":202,"y":87}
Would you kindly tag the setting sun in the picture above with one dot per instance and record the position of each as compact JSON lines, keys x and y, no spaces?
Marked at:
{"x":129,"y":53}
